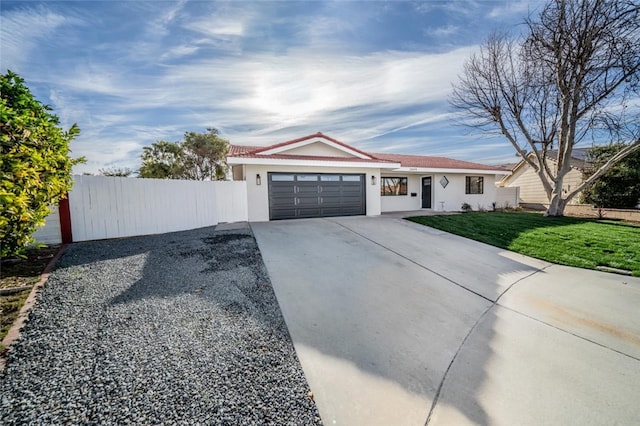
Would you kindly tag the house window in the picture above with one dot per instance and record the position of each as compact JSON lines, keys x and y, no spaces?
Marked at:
{"x":393,"y":186}
{"x":474,"y":185}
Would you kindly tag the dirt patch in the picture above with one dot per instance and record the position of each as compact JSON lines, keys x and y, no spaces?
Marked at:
{"x":18,"y":272}
{"x":17,"y":277}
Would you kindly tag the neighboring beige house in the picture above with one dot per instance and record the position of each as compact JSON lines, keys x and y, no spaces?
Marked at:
{"x":531,"y":191}
{"x":318,"y":176}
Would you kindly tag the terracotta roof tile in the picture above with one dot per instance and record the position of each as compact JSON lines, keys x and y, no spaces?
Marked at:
{"x":304,"y":138}
{"x":435,"y":162}
{"x":419,"y":161}
{"x":240,"y":149}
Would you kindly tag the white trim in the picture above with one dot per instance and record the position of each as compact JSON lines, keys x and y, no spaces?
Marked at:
{"x":284,"y":148}
{"x":309,"y":163}
{"x":443,"y":170}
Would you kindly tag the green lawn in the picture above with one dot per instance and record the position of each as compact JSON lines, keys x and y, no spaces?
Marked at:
{"x":585,"y":243}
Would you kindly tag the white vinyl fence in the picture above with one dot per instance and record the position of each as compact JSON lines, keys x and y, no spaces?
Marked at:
{"x":50,"y":233}
{"x":507,"y":196}
{"x":111,"y":207}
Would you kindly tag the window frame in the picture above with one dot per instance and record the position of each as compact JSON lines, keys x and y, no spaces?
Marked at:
{"x":403,"y":189}
{"x":470,"y":186}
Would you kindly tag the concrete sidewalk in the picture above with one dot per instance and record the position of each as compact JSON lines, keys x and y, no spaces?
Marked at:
{"x":395,"y":323}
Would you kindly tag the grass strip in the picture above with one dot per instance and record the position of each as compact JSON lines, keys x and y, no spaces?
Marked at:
{"x":585,"y":243}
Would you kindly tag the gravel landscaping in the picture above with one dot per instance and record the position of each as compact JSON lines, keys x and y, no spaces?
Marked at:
{"x":180,"y":328}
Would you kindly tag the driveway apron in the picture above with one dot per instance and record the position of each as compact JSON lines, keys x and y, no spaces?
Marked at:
{"x":396,"y":323}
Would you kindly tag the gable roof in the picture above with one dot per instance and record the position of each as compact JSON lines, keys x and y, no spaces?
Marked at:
{"x":578,"y":161}
{"x":278,"y":153}
{"x":240,"y":154}
{"x":309,"y":139}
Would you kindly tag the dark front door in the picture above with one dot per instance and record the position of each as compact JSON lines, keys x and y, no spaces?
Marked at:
{"x":426,"y":192}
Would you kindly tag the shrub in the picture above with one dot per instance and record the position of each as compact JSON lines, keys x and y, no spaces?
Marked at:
{"x":35,"y":167}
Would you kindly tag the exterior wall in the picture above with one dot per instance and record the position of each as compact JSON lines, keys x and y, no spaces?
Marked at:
{"x":319,"y":149}
{"x":258,"y":195}
{"x":531,"y":189}
{"x":571,"y":181}
{"x":442,"y":199}
{"x":400,"y":203}
{"x":50,"y":232}
{"x":452,"y":197}
{"x":112,"y":207}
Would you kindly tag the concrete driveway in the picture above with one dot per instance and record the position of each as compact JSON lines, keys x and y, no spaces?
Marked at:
{"x":399,"y":324}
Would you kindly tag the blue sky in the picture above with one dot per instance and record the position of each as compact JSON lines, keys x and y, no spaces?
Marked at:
{"x":372,"y":74}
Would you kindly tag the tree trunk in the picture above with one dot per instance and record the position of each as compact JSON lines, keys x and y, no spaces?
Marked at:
{"x":557,"y":205}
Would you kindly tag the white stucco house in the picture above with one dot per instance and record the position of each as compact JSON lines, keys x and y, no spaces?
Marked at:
{"x":318,"y":176}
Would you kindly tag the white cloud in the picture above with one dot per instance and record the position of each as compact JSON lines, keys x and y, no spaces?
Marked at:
{"x":446,"y":31}
{"x":179,"y":52}
{"x":511,"y":8}
{"x":327,"y":79}
{"x":160,"y":26}
{"x":356,"y":98}
{"x":298,"y":86}
{"x":464,"y":8}
{"x":22,"y":29}
{"x":217,"y":28}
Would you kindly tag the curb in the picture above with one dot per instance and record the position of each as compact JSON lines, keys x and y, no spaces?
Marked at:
{"x":23,"y":315}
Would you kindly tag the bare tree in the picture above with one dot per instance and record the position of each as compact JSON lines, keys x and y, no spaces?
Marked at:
{"x":574,"y":73}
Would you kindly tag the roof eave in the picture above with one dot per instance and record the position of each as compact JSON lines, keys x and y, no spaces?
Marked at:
{"x":450,"y":170}
{"x":309,"y":163}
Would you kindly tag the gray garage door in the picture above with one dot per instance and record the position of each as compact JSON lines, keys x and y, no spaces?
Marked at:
{"x":297,"y":195}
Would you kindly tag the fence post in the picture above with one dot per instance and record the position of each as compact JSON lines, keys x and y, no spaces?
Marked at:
{"x":65,"y":220}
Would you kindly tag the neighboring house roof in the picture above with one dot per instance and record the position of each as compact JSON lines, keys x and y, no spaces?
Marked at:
{"x":579,"y":158}
{"x":390,"y":161}
{"x":509,"y":166}
{"x":578,"y":161}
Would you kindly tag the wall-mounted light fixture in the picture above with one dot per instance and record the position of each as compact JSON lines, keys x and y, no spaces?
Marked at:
{"x":258,"y":179}
{"x":373,"y":179}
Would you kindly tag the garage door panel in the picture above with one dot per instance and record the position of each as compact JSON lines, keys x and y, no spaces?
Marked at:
{"x":297,"y":195}
{"x":352,"y":189}
{"x":338,"y":211}
{"x":308,"y":202}
{"x":330,"y":202}
{"x":331,"y":189}
{"x":281,"y":191}
{"x":284,"y":212}
{"x":308,"y":190}
{"x":309,"y":212}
